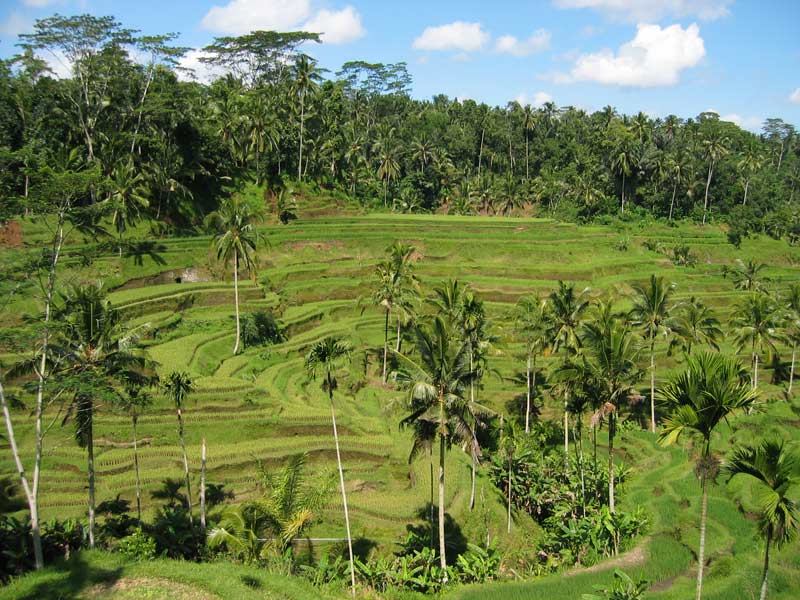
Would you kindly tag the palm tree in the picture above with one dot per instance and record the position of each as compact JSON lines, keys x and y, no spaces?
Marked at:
{"x":532,"y":322}
{"x":747,"y":276}
{"x":127,"y":198}
{"x":422,"y":152}
{"x":423,"y":436}
{"x":437,"y":382}
{"x":528,"y":125}
{"x":756,"y":322}
{"x":773,"y":470}
{"x":609,"y":364}
{"x":327,"y":357}
{"x":711,"y":390}
{"x":567,"y":312}
{"x":286,"y":509}
{"x":92,"y":353}
{"x":178,"y":386}
{"x":715,"y":148}
{"x":651,"y":312}
{"x":793,"y":322}
{"x":750,"y":163}
{"x":134,"y":402}
{"x":306,"y":78}
{"x":235,"y":241}
{"x":388,"y":164}
{"x":695,"y":323}
{"x":677,"y":167}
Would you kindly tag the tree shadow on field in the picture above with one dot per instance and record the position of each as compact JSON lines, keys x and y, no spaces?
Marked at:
{"x":70,"y":580}
{"x":422,"y":535}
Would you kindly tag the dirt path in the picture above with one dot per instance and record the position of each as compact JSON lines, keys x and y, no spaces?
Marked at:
{"x":633,"y":558}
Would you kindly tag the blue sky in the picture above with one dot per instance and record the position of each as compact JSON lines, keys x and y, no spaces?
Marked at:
{"x":738,"y":57}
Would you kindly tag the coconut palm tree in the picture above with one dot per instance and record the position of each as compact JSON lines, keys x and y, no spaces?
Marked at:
{"x":437,"y":382}
{"x":134,"y":402}
{"x":235,"y":241}
{"x":92,"y":353}
{"x":306,"y":78}
{"x":716,"y":147}
{"x":127,"y":198}
{"x":327,"y":357}
{"x":567,"y":311}
{"x":793,"y":325}
{"x":773,"y":470}
{"x":712,"y":389}
{"x":609,"y":364}
{"x":532,"y":322}
{"x":756,"y":322}
{"x":750,"y":164}
{"x":694,"y":323}
{"x":747,"y":276}
{"x":678,"y":169}
{"x":178,"y":386}
{"x":651,"y":313}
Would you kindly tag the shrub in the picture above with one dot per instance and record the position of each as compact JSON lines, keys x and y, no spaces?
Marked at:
{"x":261,"y":328}
{"x":138,"y":546}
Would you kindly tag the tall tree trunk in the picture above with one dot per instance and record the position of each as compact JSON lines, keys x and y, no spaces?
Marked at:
{"x":442,"y":440}
{"x":32,"y":504}
{"x":596,"y":474}
{"x":528,"y":399}
{"x":397,"y":341}
{"x":652,"y":383}
{"x":527,"y":159}
{"x":791,"y":369}
{"x":433,"y":505}
{"x":136,"y":471}
{"x":672,"y":202}
{"x":90,"y":468}
{"x":508,"y":523}
{"x":708,"y":185}
{"x":203,"y":487}
{"x":766,"y":565}
{"x":344,"y":492}
{"x":566,"y":435}
{"x":702,"y":553}
{"x":185,"y":465}
{"x":472,"y":479}
{"x":480,"y":152}
{"x":302,"y":125}
{"x":746,"y":186}
{"x":236,"y":299}
{"x":385,"y":343}
{"x":622,"y":210}
{"x":612,"y":426}
{"x":579,"y":436}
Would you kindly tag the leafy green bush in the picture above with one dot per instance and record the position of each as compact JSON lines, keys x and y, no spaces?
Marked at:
{"x":138,"y":546}
{"x":624,"y":588}
{"x":261,"y":328}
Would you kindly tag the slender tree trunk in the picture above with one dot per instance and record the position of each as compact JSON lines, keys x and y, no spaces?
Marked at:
{"x":766,"y":565}
{"x":90,"y":468}
{"x":480,"y":152}
{"x":397,"y":341}
{"x":579,"y":428}
{"x":136,"y":472}
{"x":566,"y":434}
{"x":344,"y":492}
{"x":527,"y":159}
{"x":302,"y":124}
{"x":528,"y":400}
{"x":622,"y":210}
{"x":791,"y":369}
{"x":141,"y":109}
{"x":672,"y":202}
{"x":203,"y":487}
{"x":472,"y":480}
{"x":185,"y":465}
{"x":385,"y":344}
{"x":236,"y":300}
{"x":652,"y":384}
{"x":433,"y":505}
{"x":595,"y":467}
{"x":508,"y":525}
{"x":32,"y":504}
{"x":702,"y":553}
{"x":442,"y":440}
{"x":708,"y":185}
{"x":612,"y":426}
{"x":746,"y":186}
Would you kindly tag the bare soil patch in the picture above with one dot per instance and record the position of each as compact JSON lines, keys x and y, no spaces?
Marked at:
{"x":146,"y":587}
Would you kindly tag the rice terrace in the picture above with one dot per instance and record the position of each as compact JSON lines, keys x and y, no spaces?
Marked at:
{"x":274,"y":330}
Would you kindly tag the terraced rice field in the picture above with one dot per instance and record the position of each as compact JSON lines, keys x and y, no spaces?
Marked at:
{"x":317,"y":275}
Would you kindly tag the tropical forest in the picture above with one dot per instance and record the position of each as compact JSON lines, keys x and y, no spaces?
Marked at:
{"x":275,"y":324}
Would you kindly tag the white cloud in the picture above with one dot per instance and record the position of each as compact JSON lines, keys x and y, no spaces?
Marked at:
{"x":539,"y":99}
{"x":795,"y":96}
{"x":750,"y":123}
{"x":539,"y":41}
{"x":636,"y":11}
{"x":337,"y":27}
{"x":243,"y":16}
{"x":459,"y":35}
{"x":15,"y":24}
{"x":191,"y":68}
{"x":655,"y":57}
{"x":40,"y":3}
